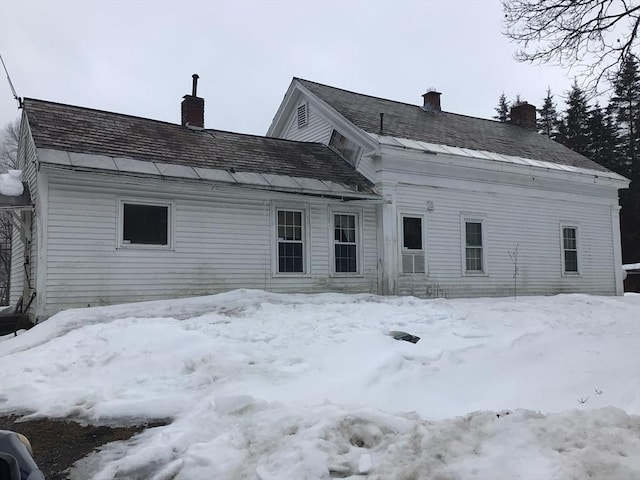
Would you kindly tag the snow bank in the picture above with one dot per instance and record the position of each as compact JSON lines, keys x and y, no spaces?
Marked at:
{"x":265,"y":386}
{"x":11,"y":183}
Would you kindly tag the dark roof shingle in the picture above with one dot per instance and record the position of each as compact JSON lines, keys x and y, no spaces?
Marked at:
{"x":83,"y":130}
{"x":443,"y":128}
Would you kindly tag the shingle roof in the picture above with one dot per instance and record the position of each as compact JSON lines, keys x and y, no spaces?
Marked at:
{"x":83,"y":130}
{"x":413,"y":122}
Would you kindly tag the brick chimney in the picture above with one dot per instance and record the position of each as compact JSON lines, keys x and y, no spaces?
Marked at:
{"x":193,"y":107}
{"x":523,"y":115}
{"x":432,"y":101}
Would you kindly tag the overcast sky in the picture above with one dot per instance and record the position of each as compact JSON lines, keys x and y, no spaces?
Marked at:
{"x":137,"y":57}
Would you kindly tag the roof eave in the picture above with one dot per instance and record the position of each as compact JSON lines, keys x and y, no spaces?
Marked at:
{"x":495,"y":159}
{"x":58,"y":159}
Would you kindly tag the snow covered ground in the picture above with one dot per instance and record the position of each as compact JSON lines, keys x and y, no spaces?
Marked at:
{"x":273,"y":387}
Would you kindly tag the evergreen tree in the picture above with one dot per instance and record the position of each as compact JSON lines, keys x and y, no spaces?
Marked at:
{"x":626,"y":107}
{"x":502,"y":109}
{"x":603,"y":140}
{"x":573,"y":130}
{"x":547,"y":122}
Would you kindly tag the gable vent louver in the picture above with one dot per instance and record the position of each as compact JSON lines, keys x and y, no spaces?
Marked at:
{"x":302,"y":115}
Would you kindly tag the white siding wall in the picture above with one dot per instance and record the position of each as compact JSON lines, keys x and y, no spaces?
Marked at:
{"x":26,"y":161}
{"x":222,"y":240}
{"x":530,"y":219}
{"x":317,"y":129}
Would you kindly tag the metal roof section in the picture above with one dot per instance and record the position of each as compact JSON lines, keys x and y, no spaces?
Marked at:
{"x":92,"y":161}
{"x":130,"y":165}
{"x":486,"y":155}
{"x":133,"y":167}
{"x":180,"y":171}
{"x":280,"y":181}
{"x":214,"y":175}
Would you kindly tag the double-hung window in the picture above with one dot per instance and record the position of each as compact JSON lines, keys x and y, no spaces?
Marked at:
{"x":145,"y":224}
{"x":345,"y":242}
{"x":291,"y":240}
{"x":570,"y":249}
{"x":474,"y":251}
{"x":413,"y":259}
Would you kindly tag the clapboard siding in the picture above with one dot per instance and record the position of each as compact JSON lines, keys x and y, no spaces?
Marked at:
{"x":222,"y":240}
{"x":26,"y":161}
{"x":317,"y":128}
{"x":17,"y":259}
{"x":526,"y":219}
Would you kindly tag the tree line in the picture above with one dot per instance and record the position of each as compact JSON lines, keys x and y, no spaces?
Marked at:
{"x":607,"y":134}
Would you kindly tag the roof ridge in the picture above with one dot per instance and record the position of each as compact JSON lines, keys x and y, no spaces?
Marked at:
{"x":397,"y":101}
{"x":178,"y":125}
{"x":264,"y":137}
{"x":99,"y":111}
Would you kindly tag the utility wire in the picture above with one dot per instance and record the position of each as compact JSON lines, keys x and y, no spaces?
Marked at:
{"x":13,"y":90}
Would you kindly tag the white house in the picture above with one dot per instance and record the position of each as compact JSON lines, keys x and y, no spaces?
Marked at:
{"x":128,"y":209}
{"x":473,"y":207}
{"x":346,"y":193}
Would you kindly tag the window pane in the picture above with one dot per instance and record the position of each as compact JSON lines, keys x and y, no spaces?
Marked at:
{"x":412,"y":229}
{"x":474,"y":234}
{"x":145,"y":224}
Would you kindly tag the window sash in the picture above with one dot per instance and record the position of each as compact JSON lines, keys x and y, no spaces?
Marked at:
{"x":570,"y":249}
{"x":474,"y":248}
{"x":413,"y":258}
{"x":342,"y":144}
{"x":412,"y":233}
{"x":290,"y":257}
{"x":345,"y":243}
{"x":290,"y":239}
{"x":145,"y":224}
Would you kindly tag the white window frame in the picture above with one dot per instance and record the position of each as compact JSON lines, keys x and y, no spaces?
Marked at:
{"x":574,"y":226}
{"x":120,"y":243}
{"x":359,"y":241}
{"x":305,"y":107}
{"x":306,"y":239}
{"x":473,"y":218}
{"x":414,"y":252}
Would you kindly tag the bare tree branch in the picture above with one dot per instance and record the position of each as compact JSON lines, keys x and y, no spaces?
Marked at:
{"x":591,"y":36}
{"x":8,"y":159}
{"x":9,"y":145}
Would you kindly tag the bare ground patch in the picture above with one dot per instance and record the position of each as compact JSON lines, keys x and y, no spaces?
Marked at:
{"x":59,"y":443}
